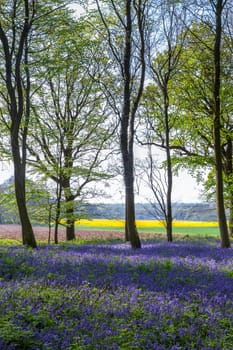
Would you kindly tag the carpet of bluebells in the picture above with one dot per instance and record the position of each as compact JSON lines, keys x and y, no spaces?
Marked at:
{"x":108,"y":296}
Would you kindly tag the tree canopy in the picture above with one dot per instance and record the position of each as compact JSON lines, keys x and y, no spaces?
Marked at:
{"x":80,"y":87}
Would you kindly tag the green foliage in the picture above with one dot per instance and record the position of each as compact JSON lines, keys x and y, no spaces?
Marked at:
{"x":37,"y":198}
{"x":70,"y":133}
{"x":190,"y":92}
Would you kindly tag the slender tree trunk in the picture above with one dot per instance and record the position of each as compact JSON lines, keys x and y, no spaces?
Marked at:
{"x":227,"y":151}
{"x":49,"y":220}
{"x":130,"y":210}
{"x":230,"y":226}
{"x":130,"y":221}
{"x":126,"y":226}
{"x":169,"y":201}
{"x":58,"y":211}
{"x":169,"y":170}
{"x":225,"y":241}
{"x":56,"y":225}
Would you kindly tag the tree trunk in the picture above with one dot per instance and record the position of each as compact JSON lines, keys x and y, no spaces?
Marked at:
{"x":230,"y":226}
{"x":126,"y":224}
{"x":130,"y":221}
{"x":28,"y":237}
{"x":49,"y":222}
{"x":58,"y":210}
{"x":130,"y":212}
{"x":169,"y":204}
{"x":225,"y":241}
{"x":127,"y":137}
{"x":169,"y":169}
{"x":227,"y":151}
{"x":69,"y":199}
{"x":56,"y":223}
{"x":70,"y":222}
{"x":70,"y":231}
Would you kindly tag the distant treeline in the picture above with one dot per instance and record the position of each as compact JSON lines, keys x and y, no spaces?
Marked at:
{"x":181,"y":211}
{"x":144,"y":211}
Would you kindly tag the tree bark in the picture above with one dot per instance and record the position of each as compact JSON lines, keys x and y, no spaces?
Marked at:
{"x":58,"y":211}
{"x":126,"y":226}
{"x":227,"y":151}
{"x":225,"y":241}
{"x":169,"y":168}
{"x":130,"y":205}
{"x":127,"y":137}
{"x":70,"y":221}
{"x":66,"y":184}
{"x":28,"y":237}
{"x":230,"y":225}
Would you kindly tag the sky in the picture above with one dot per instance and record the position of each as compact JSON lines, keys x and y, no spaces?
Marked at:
{"x":6,"y":171}
{"x":185,"y":188}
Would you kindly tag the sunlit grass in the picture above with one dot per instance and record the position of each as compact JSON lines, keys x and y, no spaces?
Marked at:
{"x":9,"y":241}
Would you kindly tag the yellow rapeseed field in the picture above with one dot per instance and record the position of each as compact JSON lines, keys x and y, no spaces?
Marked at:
{"x":144,"y":223}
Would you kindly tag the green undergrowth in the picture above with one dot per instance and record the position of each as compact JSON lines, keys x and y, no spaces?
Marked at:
{"x":93,"y":241}
{"x":9,"y":241}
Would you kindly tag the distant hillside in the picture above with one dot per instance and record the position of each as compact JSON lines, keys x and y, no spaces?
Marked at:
{"x":181,"y":211}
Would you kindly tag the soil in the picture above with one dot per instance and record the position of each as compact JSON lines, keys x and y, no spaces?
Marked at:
{"x":42,"y":233}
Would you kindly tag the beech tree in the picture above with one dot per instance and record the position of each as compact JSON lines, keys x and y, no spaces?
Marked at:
{"x":125,"y":33}
{"x":218,"y":7}
{"x":72,"y":132}
{"x":15,"y":34}
{"x":21,"y":28}
{"x":157,"y":109}
{"x":204,"y":130}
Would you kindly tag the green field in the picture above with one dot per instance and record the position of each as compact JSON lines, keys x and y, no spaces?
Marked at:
{"x":146,"y":226}
{"x":206,"y":231}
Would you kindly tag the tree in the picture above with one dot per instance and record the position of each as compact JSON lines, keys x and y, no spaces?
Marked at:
{"x":155,"y":177}
{"x":159,"y":115}
{"x":218,"y":7}
{"x":15,"y":32}
{"x":8,"y":206}
{"x":73,"y":131}
{"x":204,"y":133}
{"x":37,"y":199}
{"x":21,"y":33}
{"x":125,"y":31}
